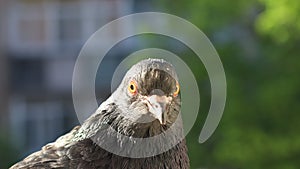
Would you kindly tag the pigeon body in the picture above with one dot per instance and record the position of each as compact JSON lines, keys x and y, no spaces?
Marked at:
{"x":146,"y":104}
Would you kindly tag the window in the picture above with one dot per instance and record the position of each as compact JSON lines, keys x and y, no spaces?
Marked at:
{"x":59,"y":25}
{"x":27,"y":74}
{"x":35,"y":123}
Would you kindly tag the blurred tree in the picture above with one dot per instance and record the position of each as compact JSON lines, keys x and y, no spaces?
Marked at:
{"x":257,"y":41}
{"x":280,"y":20}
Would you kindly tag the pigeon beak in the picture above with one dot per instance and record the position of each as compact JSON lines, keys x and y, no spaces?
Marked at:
{"x":157,"y":107}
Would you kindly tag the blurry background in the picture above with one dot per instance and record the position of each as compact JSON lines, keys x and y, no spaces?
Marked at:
{"x":257,"y":40}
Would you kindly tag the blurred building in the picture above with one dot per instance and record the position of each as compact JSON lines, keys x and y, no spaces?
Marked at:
{"x":40,"y":41}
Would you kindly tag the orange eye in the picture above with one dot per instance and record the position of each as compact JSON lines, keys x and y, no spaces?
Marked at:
{"x":177,"y":90}
{"x":132,"y":87}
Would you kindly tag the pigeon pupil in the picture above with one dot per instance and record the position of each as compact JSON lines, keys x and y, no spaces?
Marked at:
{"x":132,"y":87}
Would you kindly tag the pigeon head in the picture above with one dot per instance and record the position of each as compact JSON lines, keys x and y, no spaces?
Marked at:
{"x":149,"y":93}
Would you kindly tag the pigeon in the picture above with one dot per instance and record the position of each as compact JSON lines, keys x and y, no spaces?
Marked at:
{"x":138,"y":126}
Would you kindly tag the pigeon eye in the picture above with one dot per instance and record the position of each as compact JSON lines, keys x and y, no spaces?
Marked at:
{"x":177,"y":90}
{"x":132,"y":87}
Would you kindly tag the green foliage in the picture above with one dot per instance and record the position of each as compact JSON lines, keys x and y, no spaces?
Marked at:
{"x":280,"y":20}
{"x":209,"y":15}
{"x":260,"y":125}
